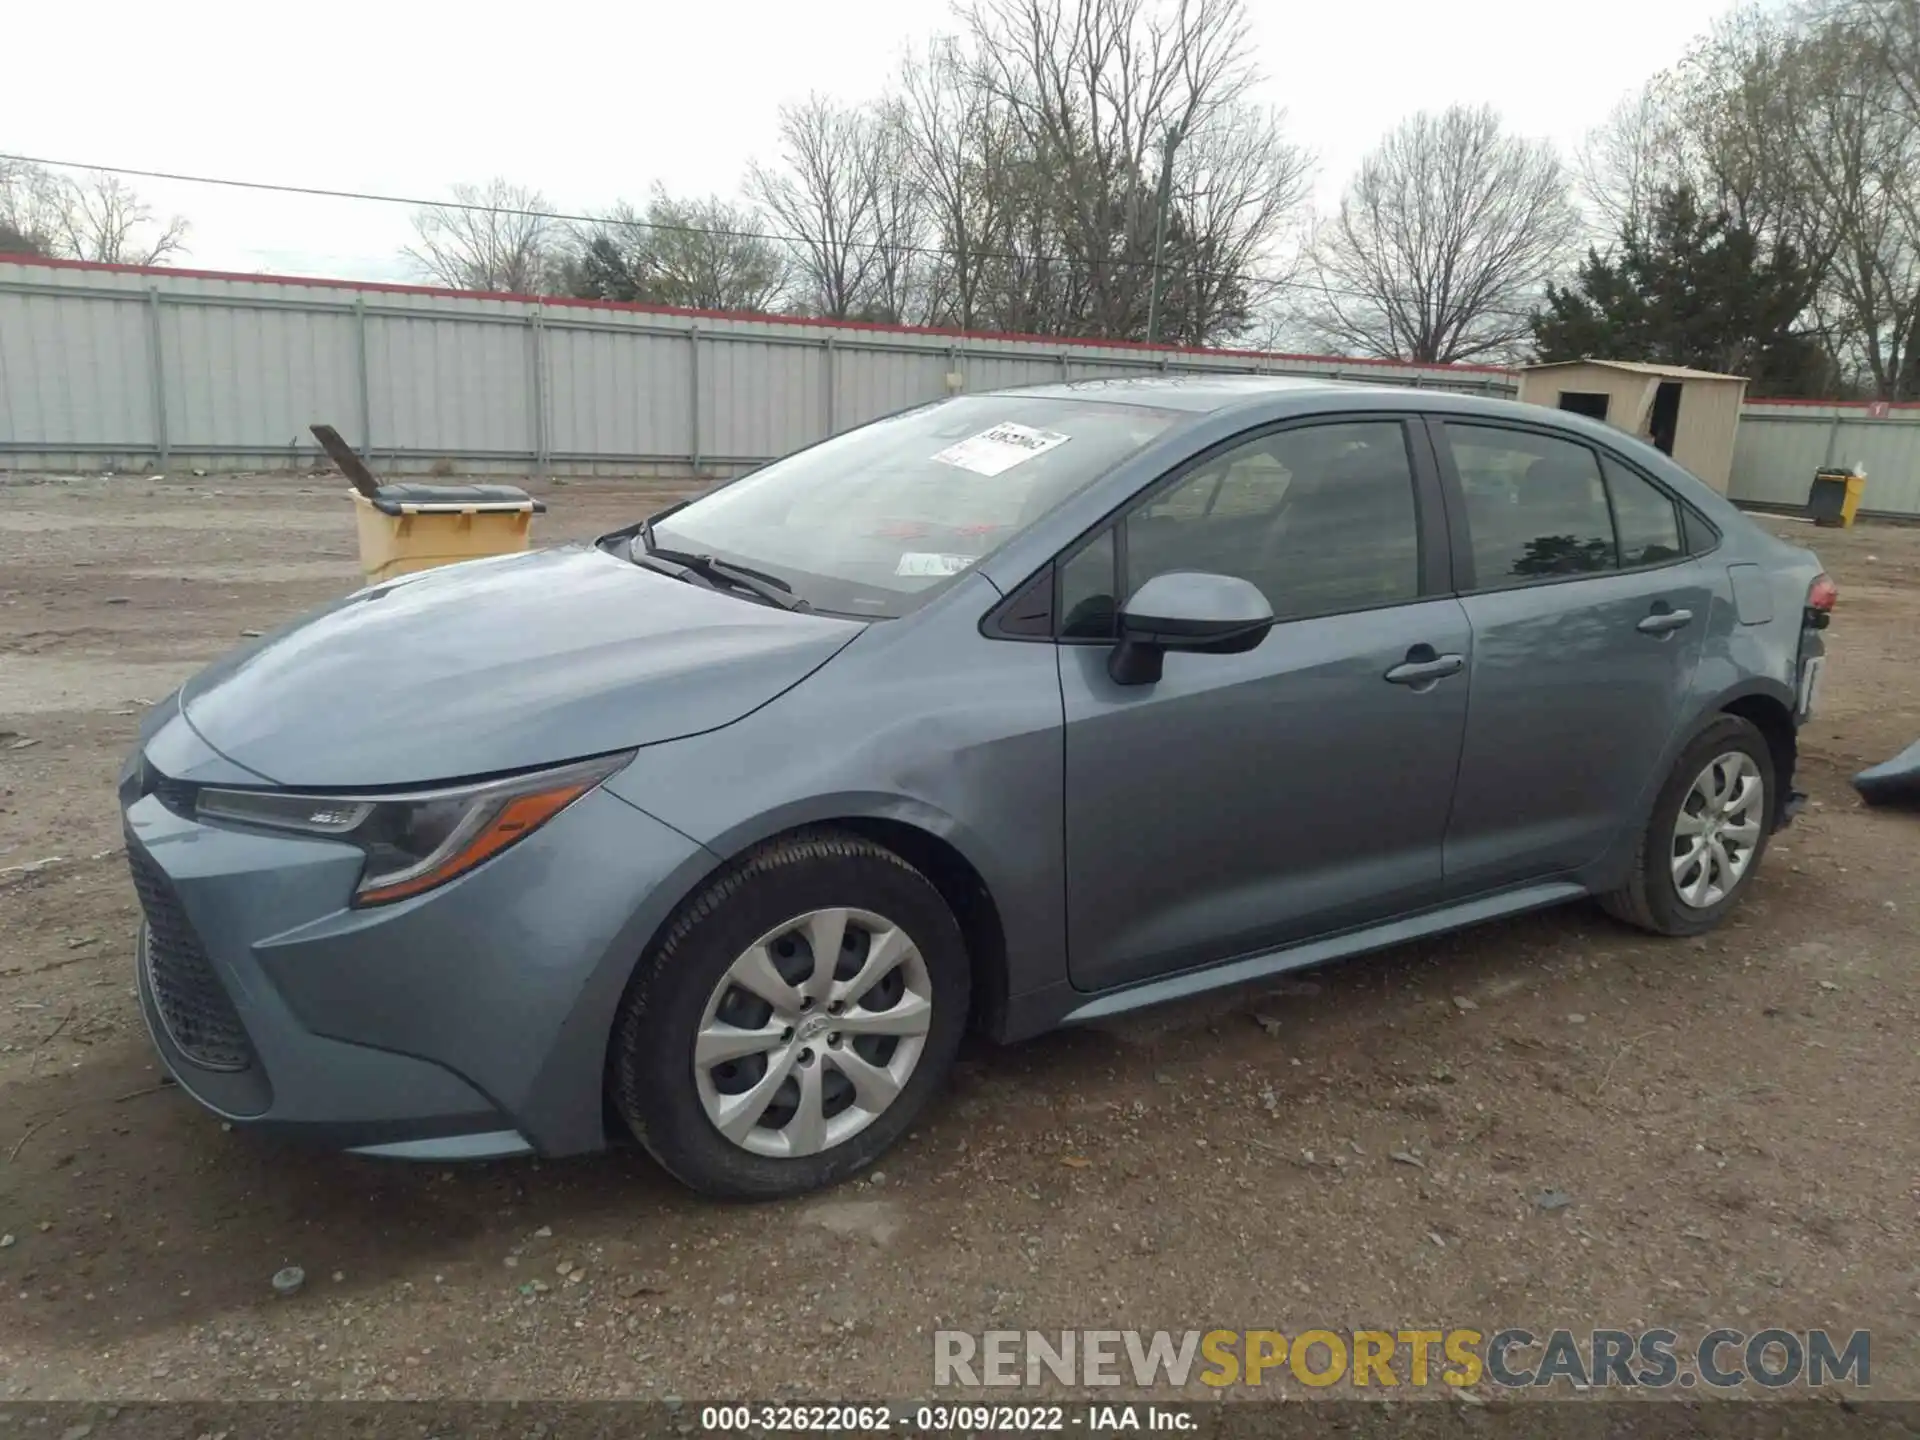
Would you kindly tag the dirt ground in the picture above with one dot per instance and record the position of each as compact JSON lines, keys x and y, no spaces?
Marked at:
{"x":1732,"y":1118}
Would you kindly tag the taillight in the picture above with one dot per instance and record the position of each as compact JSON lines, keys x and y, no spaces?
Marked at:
{"x":1822,"y":596}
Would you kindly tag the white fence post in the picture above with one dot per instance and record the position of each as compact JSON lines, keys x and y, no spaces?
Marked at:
{"x":156,"y":361}
{"x":693,"y":396}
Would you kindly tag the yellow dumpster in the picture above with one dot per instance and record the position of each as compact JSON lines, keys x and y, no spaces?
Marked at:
{"x":407,"y":527}
{"x":1835,"y":497}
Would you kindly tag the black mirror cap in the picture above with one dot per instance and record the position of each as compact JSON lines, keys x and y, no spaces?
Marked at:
{"x":1191,"y":611}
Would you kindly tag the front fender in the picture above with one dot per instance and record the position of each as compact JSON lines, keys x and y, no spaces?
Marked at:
{"x":825,"y":809}
{"x":969,"y":752}
{"x":510,"y":975}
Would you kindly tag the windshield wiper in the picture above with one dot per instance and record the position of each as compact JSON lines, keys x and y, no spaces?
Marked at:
{"x":718,"y":572}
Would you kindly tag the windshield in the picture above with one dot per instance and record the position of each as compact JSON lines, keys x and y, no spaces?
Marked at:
{"x":872,"y":522}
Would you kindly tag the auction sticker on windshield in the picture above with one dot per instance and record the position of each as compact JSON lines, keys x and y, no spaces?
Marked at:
{"x":922,"y":562}
{"x":1000,"y":448}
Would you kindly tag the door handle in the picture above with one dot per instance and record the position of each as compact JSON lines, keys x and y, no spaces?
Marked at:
{"x":1425,"y":671}
{"x":1663,"y":620}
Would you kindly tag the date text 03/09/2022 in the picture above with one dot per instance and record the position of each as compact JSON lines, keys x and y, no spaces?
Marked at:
{"x":1094,"y":1419}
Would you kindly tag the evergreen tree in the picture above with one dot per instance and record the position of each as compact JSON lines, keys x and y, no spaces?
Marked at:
{"x":601,"y":272}
{"x":1695,"y":288}
{"x":14,"y":241}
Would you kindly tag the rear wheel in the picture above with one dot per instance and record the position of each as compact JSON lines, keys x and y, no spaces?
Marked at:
{"x":1708,"y":831}
{"x":796,"y":1018}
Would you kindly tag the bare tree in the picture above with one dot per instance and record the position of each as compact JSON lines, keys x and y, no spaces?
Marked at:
{"x":964,"y":154}
{"x":823,"y":193}
{"x":706,"y":254}
{"x":30,"y":210}
{"x":1282,"y":325}
{"x":1014,"y":177}
{"x":1891,"y":29}
{"x":897,"y":279}
{"x":1857,"y":153}
{"x":496,"y":237}
{"x":103,"y":219}
{"x":711,"y":255}
{"x":1895,"y":26}
{"x":1105,"y":92}
{"x":1628,"y":158}
{"x":1735,"y":94}
{"x":1803,"y":126}
{"x":98,"y":217}
{"x":1444,"y":240}
{"x":1237,"y":190}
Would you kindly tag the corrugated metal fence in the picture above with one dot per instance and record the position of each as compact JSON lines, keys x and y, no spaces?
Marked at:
{"x":1780,"y":444}
{"x":110,"y":367}
{"x":178,"y":368}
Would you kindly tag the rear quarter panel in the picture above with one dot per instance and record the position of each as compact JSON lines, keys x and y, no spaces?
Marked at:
{"x":1755,"y":646}
{"x":1755,"y":654}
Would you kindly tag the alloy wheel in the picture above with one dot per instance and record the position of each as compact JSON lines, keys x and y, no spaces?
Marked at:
{"x":1718,"y":829}
{"x":812,"y":1032}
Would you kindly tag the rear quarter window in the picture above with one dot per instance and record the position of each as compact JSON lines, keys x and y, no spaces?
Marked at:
{"x":1645,"y":517}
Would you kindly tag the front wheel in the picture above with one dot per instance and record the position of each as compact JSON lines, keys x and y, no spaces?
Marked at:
{"x":796,"y":1018}
{"x":1708,"y":831}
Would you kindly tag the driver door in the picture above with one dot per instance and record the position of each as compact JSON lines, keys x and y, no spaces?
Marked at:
{"x":1244,"y":801}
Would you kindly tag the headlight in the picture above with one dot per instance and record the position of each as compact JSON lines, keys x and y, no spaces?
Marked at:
{"x":417,"y":841}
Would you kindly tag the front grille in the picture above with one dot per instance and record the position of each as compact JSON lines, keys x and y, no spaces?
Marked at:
{"x":193,"y":1004}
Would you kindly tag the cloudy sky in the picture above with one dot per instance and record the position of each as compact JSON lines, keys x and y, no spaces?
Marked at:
{"x":594,"y":100}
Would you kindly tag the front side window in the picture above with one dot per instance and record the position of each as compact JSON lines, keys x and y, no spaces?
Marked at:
{"x":1321,"y":517}
{"x":1536,"y":505}
{"x":873,"y":521}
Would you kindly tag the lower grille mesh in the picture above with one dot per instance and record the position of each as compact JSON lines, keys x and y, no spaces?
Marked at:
{"x":194,"y":1006}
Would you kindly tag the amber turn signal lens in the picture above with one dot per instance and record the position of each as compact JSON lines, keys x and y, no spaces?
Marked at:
{"x":516,"y":819}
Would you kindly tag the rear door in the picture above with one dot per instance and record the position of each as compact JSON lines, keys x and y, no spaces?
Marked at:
{"x":1246,"y":800}
{"x":1588,"y":617}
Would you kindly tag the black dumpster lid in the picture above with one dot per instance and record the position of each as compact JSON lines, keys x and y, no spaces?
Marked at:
{"x":390,"y":498}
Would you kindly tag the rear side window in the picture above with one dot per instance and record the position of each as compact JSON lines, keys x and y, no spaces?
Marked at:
{"x":1644,"y":515}
{"x":1536,"y":506}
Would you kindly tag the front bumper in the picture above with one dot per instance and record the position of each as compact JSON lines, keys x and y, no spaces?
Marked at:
{"x":468,"y":1022}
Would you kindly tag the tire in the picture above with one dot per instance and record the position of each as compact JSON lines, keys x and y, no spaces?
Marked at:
{"x":675,"y":1107}
{"x":1652,"y":898}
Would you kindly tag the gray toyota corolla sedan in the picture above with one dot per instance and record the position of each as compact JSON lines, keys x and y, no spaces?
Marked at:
{"x":1010,"y":711}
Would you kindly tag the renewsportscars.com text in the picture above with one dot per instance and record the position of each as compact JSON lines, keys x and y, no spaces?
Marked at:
{"x":1513,"y":1358}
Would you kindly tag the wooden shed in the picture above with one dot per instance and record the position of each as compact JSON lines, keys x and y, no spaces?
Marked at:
{"x":1689,"y":414}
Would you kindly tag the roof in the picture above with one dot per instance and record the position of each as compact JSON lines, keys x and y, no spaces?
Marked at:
{"x":1198,"y":393}
{"x":1275,"y":397}
{"x":1640,"y":367}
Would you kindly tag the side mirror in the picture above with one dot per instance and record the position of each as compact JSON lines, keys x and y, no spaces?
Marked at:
{"x":1186,"y":610}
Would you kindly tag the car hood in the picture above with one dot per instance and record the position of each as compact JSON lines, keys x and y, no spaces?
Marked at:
{"x":500,"y":665}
